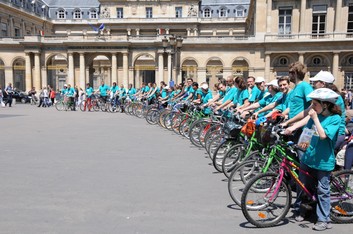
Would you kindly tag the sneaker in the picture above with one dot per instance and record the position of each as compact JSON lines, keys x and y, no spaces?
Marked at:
{"x":299,"y":218}
{"x":321,"y":226}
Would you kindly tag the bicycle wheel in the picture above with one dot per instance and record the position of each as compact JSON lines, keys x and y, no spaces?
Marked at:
{"x":232,"y":158}
{"x":185,"y":127}
{"x":202,"y":135}
{"x":220,"y":152}
{"x":195,"y":130}
{"x":82,"y":105}
{"x":152,"y":116}
{"x":342,"y":196}
{"x":168,"y":120}
{"x":59,"y":105}
{"x":239,"y":177}
{"x":266,"y":200}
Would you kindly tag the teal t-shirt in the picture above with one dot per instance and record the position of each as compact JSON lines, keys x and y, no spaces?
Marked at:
{"x":320,"y":154}
{"x":240,"y":97}
{"x":230,"y":94}
{"x":122,"y":92}
{"x":268,"y":99}
{"x":103,"y":89}
{"x":70,"y":92}
{"x":256,"y":94}
{"x":299,"y":99}
{"x":164,"y":93}
{"x":113,"y":89}
{"x":205,"y":97}
{"x":89,"y":92}
{"x":340,"y":103}
{"x":64,"y":91}
{"x":131,"y":92}
{"x":282,"y":102}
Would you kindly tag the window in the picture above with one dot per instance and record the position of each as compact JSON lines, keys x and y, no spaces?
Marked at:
{"x":17,"y":32}
{"x":350,"y":60}
{"x":207,"y":13}
{"x":119,"y":13}
{"x":223,"y":12}
{"x":319,"y":19}
{"x":77,"y":14}
{"x":3,"y":30}
{"x":239,"y":12}
{"x":283,"y":61}
{"x":350,"y":19}
{"x":285,"y":21}
{"x":61,"y":14}
{"x":93,"y":14}
{"x":317,"y":61}
{"x":178,"y":12}
{"x":149,"y":12}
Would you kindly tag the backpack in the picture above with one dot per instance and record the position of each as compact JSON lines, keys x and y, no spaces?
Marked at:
{"x":249,"y":128}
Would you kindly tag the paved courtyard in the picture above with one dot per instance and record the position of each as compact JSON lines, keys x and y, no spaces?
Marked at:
{"x":75,"y":172}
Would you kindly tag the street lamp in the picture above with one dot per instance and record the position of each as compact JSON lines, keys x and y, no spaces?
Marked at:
{"x":174,"y":43}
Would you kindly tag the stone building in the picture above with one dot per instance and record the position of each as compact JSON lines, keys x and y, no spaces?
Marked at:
{"x":52,"y":42}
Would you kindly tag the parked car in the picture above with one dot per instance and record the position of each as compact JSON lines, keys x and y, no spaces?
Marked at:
{"x":19,"y":95}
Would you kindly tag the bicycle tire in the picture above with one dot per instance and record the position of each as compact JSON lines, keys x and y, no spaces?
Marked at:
{"x":59,"y":106}
{"x":220,"y":152}
{"x":232,"y":158}
{"x":342,"y":197}
{"x":239,"y":177}
{"x":255,"y":201}
{"x":194,"y":132}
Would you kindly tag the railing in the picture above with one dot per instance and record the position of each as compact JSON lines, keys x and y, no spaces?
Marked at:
{"x":306,"y":37}
{"x":187,"y":39}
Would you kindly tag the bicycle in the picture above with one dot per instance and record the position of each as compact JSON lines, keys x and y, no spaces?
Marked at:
{"x":267,"y":197}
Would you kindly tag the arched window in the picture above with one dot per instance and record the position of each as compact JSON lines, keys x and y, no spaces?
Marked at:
{"x":93,"y":14}
{"x":283,"y":61}
{"x":350,"y":60}
{"x":207,"y":13}
{"x":317,"y":61}
{"x":77,"y":14}
{"x":239,"y":11}
{"x":61,"y":14}
{"x":223,"y":12}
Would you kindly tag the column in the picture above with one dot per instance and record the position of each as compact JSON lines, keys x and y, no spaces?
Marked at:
{"x":114,"y":68}
{"x":267,"y":67}
{"x":335,"y":71}
{"x":169,"y":67}
{"x":71,"y":73}
{"x":87,"y":75}
{"x":269,"y":12}
{"x":137,"y":78}
{"x":338,"y":16}
{"x":201,"y":75}
{"x":8,"y":76}
{"x":82,"y":71}
{"x":125,"y":69}
{"x":36,"y":78}
{"x":44,"y":77}
{"x":28,"y":74}
{"x":302,"y":16}
{"x":301,"y":58}
{"x":160,"y":67}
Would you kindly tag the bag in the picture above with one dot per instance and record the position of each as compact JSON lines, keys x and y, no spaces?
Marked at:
{"x":232,"y":129}
{"x":249,"y":128}
{"x":306,"y":137}
{"x":2,"y":104}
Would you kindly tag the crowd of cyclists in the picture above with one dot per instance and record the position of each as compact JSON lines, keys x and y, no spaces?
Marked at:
{"x":313,"y":117}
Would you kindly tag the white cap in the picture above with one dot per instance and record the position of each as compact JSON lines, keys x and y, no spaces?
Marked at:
{"x":324,"y":76}
{"x":65,"y":85}
{"x":204,"y":86}
{"x":324,"y":94}
{"x":259,"y":79}
{"x":273,"y":83}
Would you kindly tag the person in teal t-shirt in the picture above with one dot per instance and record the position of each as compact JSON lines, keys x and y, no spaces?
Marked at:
{"x":319,"y":158}
{"x":131,"y":92}
{"x":89,"y":93}
{"x":103,"y":91}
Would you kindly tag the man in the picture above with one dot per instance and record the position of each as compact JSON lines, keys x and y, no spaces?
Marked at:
{"x":228,"y":97}
{"x":113,"y":92}
{"x":71,"y":95}
{"x":9,"y":92}
{"x":103,"y":91}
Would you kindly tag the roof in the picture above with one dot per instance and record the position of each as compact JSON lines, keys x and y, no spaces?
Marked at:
{"x":72,"y":3}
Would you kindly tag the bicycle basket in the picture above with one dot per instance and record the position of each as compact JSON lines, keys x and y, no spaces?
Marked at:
{"x":232,"y":129}
{"x":264,"y":134}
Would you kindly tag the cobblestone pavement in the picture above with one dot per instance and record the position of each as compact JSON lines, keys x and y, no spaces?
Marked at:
{"x":74,"y":172}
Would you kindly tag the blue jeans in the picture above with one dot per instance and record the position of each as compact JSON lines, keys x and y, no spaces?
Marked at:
{"x":322,"y":181}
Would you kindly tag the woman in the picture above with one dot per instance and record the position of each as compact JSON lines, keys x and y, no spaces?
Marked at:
{"x":319,"y":158}
{"x":240,"y":99}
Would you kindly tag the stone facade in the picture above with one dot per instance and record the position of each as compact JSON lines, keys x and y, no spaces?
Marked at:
{"x":123,"y":42}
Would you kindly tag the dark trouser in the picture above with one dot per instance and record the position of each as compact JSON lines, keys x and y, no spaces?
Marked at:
{"x":348,"y":159}
{"x":9,"y":100}
{"x":52,"y":101}
{"x":40,"y":101}
{"x":72,"y":103}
